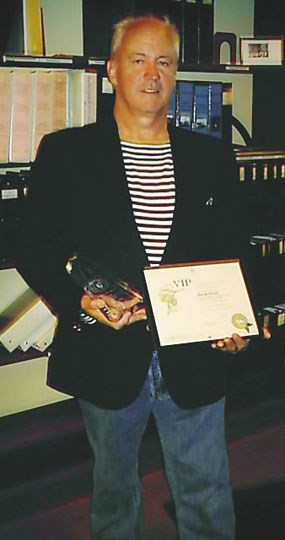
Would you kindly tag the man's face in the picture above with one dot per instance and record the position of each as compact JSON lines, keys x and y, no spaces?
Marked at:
{"x":143,"y":72}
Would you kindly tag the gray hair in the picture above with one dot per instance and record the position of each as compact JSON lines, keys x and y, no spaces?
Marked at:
{"x":121,"y":27}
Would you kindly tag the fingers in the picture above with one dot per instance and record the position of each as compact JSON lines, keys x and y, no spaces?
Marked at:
{"x":104,"y":309}
{"x":132,"y":303}
{"x":112,"y":312}
{"x":233,"y":344}
{"x":139,"y":315}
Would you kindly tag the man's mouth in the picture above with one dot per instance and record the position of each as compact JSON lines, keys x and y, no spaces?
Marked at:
{"x":150,"y":91}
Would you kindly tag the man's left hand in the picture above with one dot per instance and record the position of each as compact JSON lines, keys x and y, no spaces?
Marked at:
{"x":233,"y":344}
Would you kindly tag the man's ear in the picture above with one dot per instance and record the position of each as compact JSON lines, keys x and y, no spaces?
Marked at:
{"x":112,"y":72}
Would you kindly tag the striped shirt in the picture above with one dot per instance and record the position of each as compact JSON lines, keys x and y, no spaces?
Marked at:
{"x":150,"y":175}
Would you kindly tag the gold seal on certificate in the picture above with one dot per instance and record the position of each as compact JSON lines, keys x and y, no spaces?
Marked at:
{"x":202,"y":301}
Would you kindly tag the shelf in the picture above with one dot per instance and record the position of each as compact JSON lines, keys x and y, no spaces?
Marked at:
{"x":17,"y":356}
{"x":55,"y":62}
{"x":17,"y":166}
{"x":230,"y":68}
{"x":84,"y":62}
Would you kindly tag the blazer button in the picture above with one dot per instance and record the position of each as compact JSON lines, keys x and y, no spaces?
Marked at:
{"x":77,"y":327}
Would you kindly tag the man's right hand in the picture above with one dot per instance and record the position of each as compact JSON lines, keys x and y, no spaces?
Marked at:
{"x":112,"y":312}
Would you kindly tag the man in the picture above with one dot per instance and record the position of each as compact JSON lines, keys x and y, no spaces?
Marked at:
{"x":129,"y":193}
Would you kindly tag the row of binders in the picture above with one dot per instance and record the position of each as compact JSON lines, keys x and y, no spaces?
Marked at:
{"x":202,"y":106}
{"x":268,"y":245}
{"x":34,"y":102}
{"x":260,"y":165}
{"x":273,"y":317}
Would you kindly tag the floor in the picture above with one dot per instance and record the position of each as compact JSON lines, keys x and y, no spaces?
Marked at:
{"x":56,"y":507}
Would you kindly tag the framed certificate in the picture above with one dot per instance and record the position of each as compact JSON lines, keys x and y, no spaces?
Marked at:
{"x":195,"y":302}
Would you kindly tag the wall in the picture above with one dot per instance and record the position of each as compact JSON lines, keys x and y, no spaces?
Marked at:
{"x":234,"y":16}
{"x":63,"y":22}
{"x":237,"y":17}
{"x":63,"y":26}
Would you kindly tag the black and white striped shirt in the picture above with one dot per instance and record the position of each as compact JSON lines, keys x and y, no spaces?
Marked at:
{"x":150,"y":175}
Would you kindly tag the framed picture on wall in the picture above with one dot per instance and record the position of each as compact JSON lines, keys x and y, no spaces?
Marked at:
{"x":261,"y":50}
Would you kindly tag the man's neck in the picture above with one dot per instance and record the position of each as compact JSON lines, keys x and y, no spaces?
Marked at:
{"x":143,"y":130}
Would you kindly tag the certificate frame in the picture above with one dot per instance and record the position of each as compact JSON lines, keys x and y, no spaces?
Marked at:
{"x":198,"y":301}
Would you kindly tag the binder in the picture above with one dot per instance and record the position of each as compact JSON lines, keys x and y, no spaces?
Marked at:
{"x":24,"y":316}
{"x":32,"y":25}
{"x":60,"y":100}
{"x":204,"y":107}
{"x":83,"y":97}
{"x":198,"y":32}
{"x":43,"y":84}
{"x":201,"y":108}
{"x":205,"y":30}
{"x":12,"y":286}
{"x":21,"y":117}
{"x":45,"y":339}
{"x":190,"y":36}
{"x":5,"y":114}
{"x":185,"y":103}
{"x":216,"y":122}
{"x":42,"y":335}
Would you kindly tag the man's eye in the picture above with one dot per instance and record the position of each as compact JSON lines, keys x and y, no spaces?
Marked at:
{"x":164,"y":63}
{"x":138,"y":61}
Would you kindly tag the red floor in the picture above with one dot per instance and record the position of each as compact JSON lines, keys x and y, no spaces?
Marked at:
{"x":255,"y":460}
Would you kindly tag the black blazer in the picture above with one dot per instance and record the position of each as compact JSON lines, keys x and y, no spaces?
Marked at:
{"x":79,"y":202}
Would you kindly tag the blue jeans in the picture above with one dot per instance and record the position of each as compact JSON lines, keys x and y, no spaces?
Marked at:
{"x":196,"y":465}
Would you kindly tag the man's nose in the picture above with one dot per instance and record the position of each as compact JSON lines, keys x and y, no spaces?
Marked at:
{"x":152,"y":70}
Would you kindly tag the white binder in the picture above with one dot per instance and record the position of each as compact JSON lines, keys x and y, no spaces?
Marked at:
{"x":25,"y":318}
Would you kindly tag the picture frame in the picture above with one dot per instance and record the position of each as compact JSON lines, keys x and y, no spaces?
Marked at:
{"x":261,"y":50}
